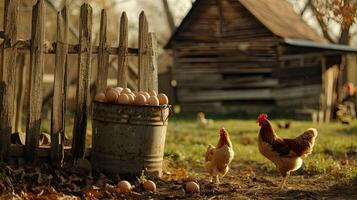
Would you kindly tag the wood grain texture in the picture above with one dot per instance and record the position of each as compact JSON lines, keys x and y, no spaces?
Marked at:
{"x":152,"y":64}
{"x":143,"y":57}
{"x":21,"y":78}
{"x":103,"y":55}
{"x":7,"y":74}
{"x":37,"y":59}
{"x":123,"y":52}
{"x":59,"y":90}
{"x":83,"y":84}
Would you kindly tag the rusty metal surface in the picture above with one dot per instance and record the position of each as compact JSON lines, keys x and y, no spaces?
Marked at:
{"x":128,"y":139}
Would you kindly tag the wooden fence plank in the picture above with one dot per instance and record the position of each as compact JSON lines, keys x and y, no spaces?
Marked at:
{"x":7,"y":73}
{"x":152,"y":68}
{"x":142,"y":58}
{"x":123,"y":52}
{"x":59,"y":88}
{"x":21,"y":77}
{"x":83,"y":82}
{"x":37,"y":59}
{"x":103,"y":55}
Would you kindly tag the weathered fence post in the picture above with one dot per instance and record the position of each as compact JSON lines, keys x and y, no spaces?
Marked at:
{"x":59,"y":90}
{"x":152,"y":65}
{"x":37,"y":59}
{"x":21,"y":78}
{"x":103,"y":55}
{"x":83,"y":81}
{"x":8,"y":74}
{"x":123,"y":52}
{"x":143,"y":53}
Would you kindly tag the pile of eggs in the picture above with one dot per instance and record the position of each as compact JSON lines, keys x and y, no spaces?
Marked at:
{"x":125,"y":96}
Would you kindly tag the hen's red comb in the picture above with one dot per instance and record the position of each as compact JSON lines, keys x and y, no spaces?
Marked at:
{"x":262,"y":116}
{"x":222,"y":130}
{"x":349,"y":86}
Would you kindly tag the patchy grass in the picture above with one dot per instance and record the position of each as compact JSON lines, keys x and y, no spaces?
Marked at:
{"x":334,"y":154}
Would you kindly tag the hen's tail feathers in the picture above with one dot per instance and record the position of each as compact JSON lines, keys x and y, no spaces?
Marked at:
{"x":309,"y":135}
{"x":308,"y":138}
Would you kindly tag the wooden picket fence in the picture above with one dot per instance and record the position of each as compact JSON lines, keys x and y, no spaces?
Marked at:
{"x":147,"y":76}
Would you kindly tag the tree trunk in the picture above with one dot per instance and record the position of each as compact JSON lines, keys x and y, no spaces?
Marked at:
{"x":345,"y":36}
{"x":170,"y":18}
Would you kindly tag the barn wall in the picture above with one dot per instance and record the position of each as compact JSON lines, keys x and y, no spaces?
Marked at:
{"x":228,"y":61}
{"x":300,"y":75}
{"x":224,"y":59}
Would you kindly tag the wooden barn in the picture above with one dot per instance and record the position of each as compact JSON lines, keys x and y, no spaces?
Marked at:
{"x":254,"y":56}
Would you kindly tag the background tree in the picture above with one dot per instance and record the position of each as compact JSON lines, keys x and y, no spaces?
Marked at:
{"x":336,"y":19}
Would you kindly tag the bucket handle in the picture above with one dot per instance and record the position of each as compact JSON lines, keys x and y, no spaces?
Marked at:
{"x":169,"y":115}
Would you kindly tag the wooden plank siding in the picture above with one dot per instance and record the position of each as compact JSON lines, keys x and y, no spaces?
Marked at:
{"x":216,"y":62}
{"x":224,"y":56}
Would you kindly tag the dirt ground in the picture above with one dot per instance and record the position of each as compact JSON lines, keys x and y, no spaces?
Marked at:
{"x":244,"y":181}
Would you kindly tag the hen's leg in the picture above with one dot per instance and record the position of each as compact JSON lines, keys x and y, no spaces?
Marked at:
{"x":283,"y":181}
{"x":210,"y":179}
{"x":217,"y":180}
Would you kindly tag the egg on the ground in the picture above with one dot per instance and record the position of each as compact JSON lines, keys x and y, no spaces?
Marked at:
{"x":100,"y":97}
{"x":153,"y":101}
{"x":124,"y":186}
{"x":163,"y":100}
{"x":192,"y":187}
{"x":149,"y":186}
{"x":123,"y":99}
{"x":111,"y":95}
{"x":140,"y":100}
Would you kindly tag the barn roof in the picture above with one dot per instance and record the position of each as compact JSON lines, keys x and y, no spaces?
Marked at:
{"x":276,"y":15}
{"x":280,"y":18}
{"x":318,"y":45}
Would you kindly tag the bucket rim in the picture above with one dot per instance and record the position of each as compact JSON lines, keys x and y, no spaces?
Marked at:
{"x":130,"y":105}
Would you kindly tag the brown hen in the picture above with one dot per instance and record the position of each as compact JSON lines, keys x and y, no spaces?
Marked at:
{"x":286,"y":154}
{"x":217,"y":159}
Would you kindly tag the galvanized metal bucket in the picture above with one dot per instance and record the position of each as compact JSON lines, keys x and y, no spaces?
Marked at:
{"x":128,"y":139}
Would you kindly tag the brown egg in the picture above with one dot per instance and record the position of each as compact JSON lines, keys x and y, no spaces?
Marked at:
{"x":153,"y":93}
{"x":126,"y":90}
{"x":135,"y":93}
{"x":123,"y":99}
{"x":124,"y":186}
{"x":163,"y":100}
{"x":149,"y":186}
{"x":153,"y":101}
{"x":140,"y":100}
{"x":146,"y":94}
{"x":111,"y":94}
{"x":100,"y":97}
{"x":119,"y":89}
{"x":192,"y":187}
{"x":131,"y":98}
